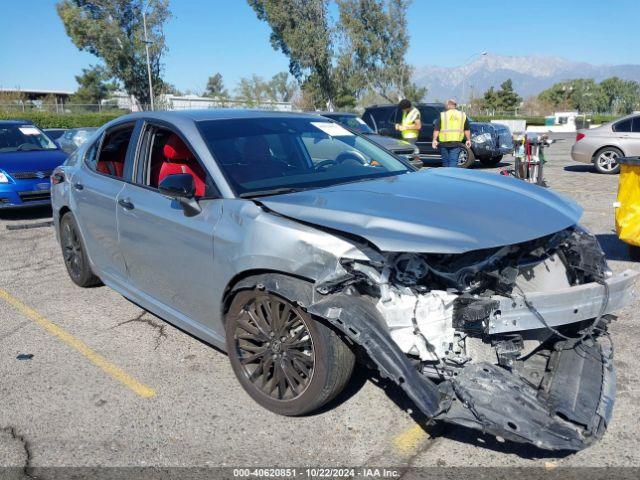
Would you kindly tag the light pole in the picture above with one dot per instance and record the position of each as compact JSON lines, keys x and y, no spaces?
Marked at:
{"x":464,"y":77}
{"x":146,"y":47}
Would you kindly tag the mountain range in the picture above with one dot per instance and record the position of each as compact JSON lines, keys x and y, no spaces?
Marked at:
{"x":530,"y":75}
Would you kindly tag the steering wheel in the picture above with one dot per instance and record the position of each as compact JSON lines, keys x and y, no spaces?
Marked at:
{"x":352,"y":155}
{"x":325,"y":163}
{"x":27,"y":146}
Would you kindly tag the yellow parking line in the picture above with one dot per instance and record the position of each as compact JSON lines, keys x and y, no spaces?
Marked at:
{"x":407,"y":442}
{"x":95,"y":358}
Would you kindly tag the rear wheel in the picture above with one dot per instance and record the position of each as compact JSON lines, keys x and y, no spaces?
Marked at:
{"x":605,"y":160}
{"x":74,"y":254}
{"x":466,"y":158}
{"x":491,"y":161}
{"x":286,"y":361}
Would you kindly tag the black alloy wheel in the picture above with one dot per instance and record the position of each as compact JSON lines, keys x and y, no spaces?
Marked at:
{"x":275,"y":348}
{"x":74,"y":255}
{"x":287,"y":361}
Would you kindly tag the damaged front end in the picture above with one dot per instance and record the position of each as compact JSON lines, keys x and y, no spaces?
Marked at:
{"x":511,"y":341}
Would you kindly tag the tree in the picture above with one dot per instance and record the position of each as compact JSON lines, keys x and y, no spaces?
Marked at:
{"x":215,"y":86}
{"x":300,"y":30}
{"x":375,"y":43}
{"x":337,"y":62}
{"x":94,"y":85}
{"x":252,"y":90}
{"x":112,"y":30}
{"x":620,"y":96}
{"x":506,"y":99}
{"x":280,"y":88}
{"x":582,"y":94}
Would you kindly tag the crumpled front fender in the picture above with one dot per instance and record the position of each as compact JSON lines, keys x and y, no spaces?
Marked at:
{"x":569,"y":412}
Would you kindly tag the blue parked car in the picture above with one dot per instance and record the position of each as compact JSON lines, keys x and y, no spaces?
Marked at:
{"x":27,"y":159}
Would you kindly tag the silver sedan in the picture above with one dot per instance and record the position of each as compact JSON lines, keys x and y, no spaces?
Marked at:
{"x":298,"y":247}
{"x":601,"y":146}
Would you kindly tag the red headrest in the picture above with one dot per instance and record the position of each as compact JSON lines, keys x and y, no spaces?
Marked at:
{"x":175,"y":149}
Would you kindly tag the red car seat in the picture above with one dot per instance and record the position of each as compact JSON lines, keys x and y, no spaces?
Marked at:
{"x":179,"y":159}
{"x":111,"y":162}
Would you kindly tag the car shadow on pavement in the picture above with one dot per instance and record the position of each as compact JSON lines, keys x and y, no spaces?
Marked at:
{"x":31,"y":213}
{"x":481,"y":166}
{"x":580,"y":168}
{"x":614,"y":248}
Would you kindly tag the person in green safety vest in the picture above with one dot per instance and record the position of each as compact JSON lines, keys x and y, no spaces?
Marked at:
{"x":448,"y":133}
{"x":411,"y":122}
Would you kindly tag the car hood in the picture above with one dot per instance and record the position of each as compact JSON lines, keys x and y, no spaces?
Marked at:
{"x":13,"y":162}
{"x":435,"y":211}
{"x":389,"y":143}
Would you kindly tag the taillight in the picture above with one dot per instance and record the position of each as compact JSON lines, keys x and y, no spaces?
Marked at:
{"x":57,"y":177}
{"x":579,"y":136}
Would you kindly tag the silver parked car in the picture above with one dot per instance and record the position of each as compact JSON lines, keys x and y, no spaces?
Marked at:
{"x":298,"y":246}
{"x":602,"y":145}
{"x":71,"y":139}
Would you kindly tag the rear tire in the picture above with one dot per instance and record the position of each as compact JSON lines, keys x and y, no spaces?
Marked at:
{"x":74,"y":253}
{"x":286,"y":361}
{"x":604,"y":160}
{"x":634,"y":253}
{"x":466,"y":158}
{"x":491,"y":161}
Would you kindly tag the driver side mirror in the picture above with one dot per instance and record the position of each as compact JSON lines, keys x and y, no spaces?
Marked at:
{"x":181,"y":188}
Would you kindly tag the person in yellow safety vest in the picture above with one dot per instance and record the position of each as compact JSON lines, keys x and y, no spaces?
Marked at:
{"x":448,"y":133}
{"x":411,"y":122}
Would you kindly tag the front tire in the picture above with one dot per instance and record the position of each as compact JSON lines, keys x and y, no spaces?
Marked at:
{"x":285,"y":360}
{"x":74,"y":253}
{"x":466,"y":158}
{"x":605,"y":162}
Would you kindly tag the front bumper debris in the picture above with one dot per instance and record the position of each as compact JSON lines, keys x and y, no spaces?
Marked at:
{"x":569,"y":411}
{"x":563,"y":306}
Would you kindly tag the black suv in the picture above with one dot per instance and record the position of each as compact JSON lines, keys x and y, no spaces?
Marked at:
{"x":489,"y":141}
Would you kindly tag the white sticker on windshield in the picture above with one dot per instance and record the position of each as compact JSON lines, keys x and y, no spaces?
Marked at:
{"x":360,"y":121}
{"x":332,"y":129}
{"x":29,"y":130}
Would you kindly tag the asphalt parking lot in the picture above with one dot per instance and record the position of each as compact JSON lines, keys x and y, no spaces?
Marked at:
{"x":89,"y":379}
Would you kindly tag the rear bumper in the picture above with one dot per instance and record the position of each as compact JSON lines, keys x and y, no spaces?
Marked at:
{"x":581,"y":154}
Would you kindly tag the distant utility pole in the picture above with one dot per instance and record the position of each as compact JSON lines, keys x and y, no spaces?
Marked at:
{"x":464,"y":75}
{"x":146,"y":47}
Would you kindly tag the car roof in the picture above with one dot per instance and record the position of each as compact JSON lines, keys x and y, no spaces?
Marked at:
{"x":419,"y":104}
{"x":8,"y":123}
{"x":216,"y":114}
{"x":340,"y":114}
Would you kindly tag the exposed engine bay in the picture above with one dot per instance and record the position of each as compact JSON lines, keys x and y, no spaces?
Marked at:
{"x":510,"y":340}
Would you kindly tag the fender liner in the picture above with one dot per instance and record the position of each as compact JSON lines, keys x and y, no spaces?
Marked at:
{"x":358,"y":319}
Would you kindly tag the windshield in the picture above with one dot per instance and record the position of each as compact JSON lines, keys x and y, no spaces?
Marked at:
{"x":354,"y":123}
{"x":272,"y":155}
{"x":23,"y":138}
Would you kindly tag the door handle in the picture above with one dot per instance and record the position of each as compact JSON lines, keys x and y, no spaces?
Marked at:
{"x":126,"y":204}
{"x":78,"y":186}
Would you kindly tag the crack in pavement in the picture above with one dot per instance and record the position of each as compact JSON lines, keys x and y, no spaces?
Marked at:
{"x":26,"y":468}
{"x":149,"y":321}
{"x":15,"y":330}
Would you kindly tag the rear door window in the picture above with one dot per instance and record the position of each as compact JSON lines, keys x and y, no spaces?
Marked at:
{"x":429,"y":115}
{"x":110,"y":158}
{"x":635,"y":127}
{"x":622,"y":126}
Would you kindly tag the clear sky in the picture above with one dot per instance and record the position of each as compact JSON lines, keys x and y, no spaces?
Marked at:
{"x":207,"y":36}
